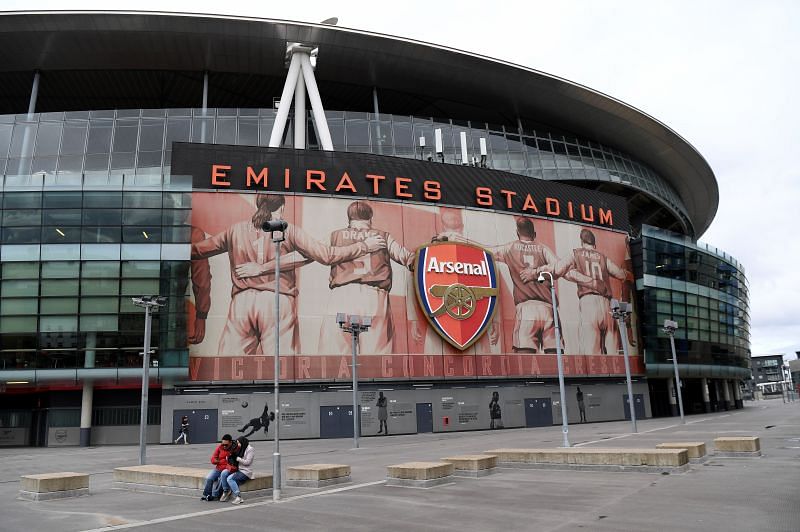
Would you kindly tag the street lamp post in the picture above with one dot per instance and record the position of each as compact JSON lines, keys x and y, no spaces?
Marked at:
{"x":150,"y":305}
{"x":621,"y":310}
{"x":564,"y":420}
{"x":355,"y":325}
{"x":670,"y":327}
{"x":277,"y":228}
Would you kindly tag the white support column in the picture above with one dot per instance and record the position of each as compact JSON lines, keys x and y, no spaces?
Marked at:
{"x":88,"y":392}
{"x":286,"y":101}
{"x":726,"y":393}
{"x":203,"y":124}
{"x":26,"y":138}
{"x":316,"y":101}
{"x":377,"y":120}
{"x":300,"y":113}
{"x":706,"y":395}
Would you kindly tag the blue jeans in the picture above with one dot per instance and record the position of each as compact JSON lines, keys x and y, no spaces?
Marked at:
{"x":222,"y":484}
{"x":210,"y":479}
{"x":234,"y":479}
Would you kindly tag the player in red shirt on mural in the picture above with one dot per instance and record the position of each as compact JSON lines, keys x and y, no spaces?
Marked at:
{"x":597,"y":330}
{"x":251,"y":319}
{"x":361,"y":286}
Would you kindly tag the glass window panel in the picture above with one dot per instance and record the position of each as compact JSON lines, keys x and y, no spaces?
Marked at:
{"x":70,"y":163}
{"x":18,"y":140}
{"x":61,"y":235}
{"x":60,"y":270}
{"x":141,"y":251}
{"x":150,"y":269}
{"x":22,"y":218}
{"x":175,"y":216}
{"x":139,"y":286}
{"x":48,"y":138}
{"x":182,"y":200}
{"x":46,"y":165}
{"x":100,"y":251}
{"x":357,"y":133}
{"x":62,"y":200}
{"x":61,"y":287}
{"x":100,"y":269}
{"x":149,"y":159}
{"x":62,"y":217}
{"x":99,"y":137}
{"x":58,"y":324}
{"x":20,"y":270}
{"x":99,"y":305}
{"x":125,"y":136}
{"x":178,"y":130}
{"x":100,"y":287}
{"x":22,"y":200}
{"x":96,"y":162}
{"x":151,"y":135}
{"x":21,"y":235}
{"x":20,"y":307}
{"x":177,"y":234}
{"x":102,"y":217}
{"x":20,"y":288}
{"x":141,"y":234}
{"x":203,"y":130}
{"x":99,"y":323}
{"x":17,"y":324}
{"x":100,"y":235}
{"x":248,"y":132}
{"x":73,"y":138}
{"x":123,"y":162}
{"x":5,"y":138}
{"x":141,"y":217}
{"x":59,"y":305}
{"x":102,"y":200}
{"x":142,"y":200}
{"x":15,"y":253}
{"x":226,"y":131}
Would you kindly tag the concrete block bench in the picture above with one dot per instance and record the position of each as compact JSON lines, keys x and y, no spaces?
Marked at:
{"x":738,"y":446}
{"x":419,"y":474}
{"x":587,"y":459}
{"x":317,"y":475}
{"x":696,"y":449}
{"x":187,"y":481}
{"x":473,"y":465}
{"x":49,"y":486}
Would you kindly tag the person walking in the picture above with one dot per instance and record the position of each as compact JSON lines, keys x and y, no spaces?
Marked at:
{"x":183,"y":431}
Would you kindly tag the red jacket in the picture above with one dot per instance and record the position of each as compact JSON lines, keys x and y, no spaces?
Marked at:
{"x":220,"y":458}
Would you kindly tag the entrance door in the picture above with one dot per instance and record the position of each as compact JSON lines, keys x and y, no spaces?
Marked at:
{"x":336,"y":421}
{"x":638,"y":404}
{"x":424,"y":417}
{"x":202,"y":425}
{"x":38,"y":429}
{"x":538,"y":412}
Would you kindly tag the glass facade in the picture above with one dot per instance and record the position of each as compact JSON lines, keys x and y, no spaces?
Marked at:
{"x":91,"y":215}
{"x":702,"y":289}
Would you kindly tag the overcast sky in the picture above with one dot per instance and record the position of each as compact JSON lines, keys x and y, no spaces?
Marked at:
{"x":723,"y":74}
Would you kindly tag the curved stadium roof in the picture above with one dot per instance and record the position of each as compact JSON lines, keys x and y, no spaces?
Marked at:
{"x":443,"y":77}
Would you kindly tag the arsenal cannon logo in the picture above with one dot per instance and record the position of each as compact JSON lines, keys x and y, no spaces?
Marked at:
{"x":456,"y":285}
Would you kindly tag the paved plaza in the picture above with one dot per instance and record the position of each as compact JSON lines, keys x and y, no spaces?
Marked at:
{"x":721,"y":494}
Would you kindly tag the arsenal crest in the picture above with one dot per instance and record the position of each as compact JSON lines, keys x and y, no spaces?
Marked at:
{"x":456,"y":285}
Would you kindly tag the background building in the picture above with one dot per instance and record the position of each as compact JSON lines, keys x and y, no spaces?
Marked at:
{"x":92,"y":213}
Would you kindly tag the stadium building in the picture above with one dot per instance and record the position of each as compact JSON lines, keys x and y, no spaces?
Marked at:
{"x":424,"y":188}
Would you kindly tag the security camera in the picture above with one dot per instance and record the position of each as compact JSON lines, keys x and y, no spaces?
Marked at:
{"x":540,"y":279}
{"x":271,"y":226}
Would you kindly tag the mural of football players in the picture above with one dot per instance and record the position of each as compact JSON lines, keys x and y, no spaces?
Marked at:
{"x":597,"y":331}
{"x":450,"y":225}
{"x":534,"y":328}
{"x":361,"y":286}
{"x":201,"y":288}
{"x":251,"y":320}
